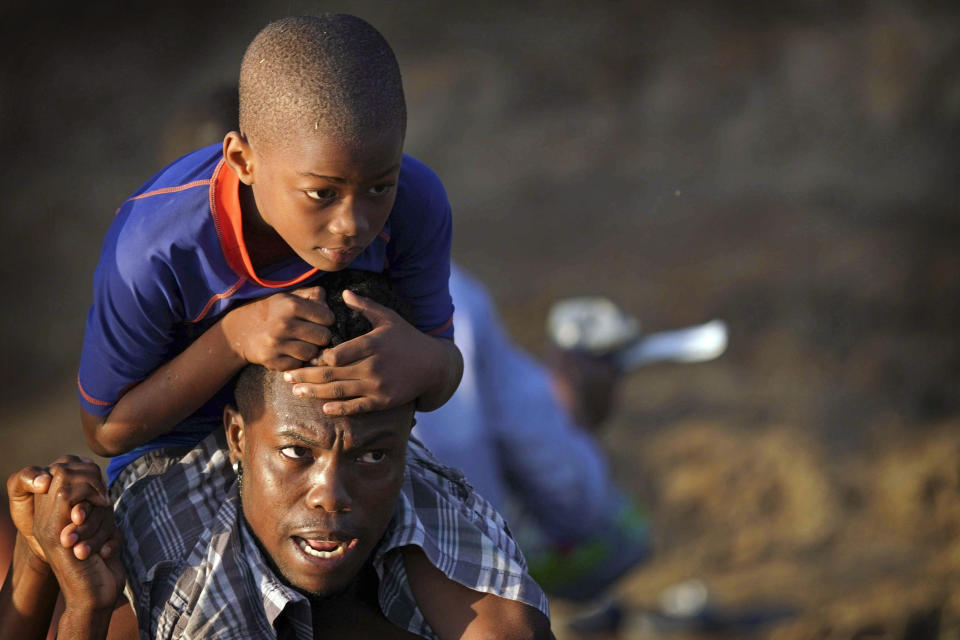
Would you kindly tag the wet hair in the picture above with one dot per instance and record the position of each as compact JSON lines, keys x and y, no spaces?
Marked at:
{"x":257,"y":387}
{"x":332,"y":74}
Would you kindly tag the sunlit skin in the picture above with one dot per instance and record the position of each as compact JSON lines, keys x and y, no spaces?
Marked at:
{"x":319,"y":491}
{"x":315,"y":196}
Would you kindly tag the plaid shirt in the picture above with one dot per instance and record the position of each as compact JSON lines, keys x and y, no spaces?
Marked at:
{"x":195,"y":571}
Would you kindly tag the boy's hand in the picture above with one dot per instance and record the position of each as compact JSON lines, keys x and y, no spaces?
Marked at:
{"x":392,"y":365}
{"x":281,"y":331}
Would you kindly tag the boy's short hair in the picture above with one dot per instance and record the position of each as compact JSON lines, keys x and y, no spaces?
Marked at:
{"x":256,"y":386}
{"x":332,"y":73}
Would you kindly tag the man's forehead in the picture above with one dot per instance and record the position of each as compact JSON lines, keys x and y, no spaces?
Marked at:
{"x":306,"y":414}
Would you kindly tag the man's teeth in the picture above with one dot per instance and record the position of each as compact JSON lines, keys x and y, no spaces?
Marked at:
{"x":316,"y":553}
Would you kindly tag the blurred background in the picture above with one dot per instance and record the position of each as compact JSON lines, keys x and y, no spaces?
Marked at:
{"x":791,"y":168}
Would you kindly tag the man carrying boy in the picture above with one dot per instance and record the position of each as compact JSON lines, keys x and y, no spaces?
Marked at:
{"x":291,"y":523}
{"x":289,"y":520}
{"x":218,"y":260}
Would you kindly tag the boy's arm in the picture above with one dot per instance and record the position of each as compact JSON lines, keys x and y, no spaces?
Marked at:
{"x":392,"y":365}
{"x":454,"y":611}
{"x":280,"y":332}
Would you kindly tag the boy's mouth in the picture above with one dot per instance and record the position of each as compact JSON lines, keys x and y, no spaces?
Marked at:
{"x":341,"y":255}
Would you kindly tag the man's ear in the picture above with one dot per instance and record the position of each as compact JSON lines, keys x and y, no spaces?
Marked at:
{"x":238,"y":155}
{"x":233,"y":423}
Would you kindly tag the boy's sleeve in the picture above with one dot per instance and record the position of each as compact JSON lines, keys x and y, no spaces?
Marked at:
{"x":129,"y":330}
{"x":418,"y":253}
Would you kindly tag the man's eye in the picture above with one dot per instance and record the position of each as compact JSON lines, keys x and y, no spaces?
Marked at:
{"x":381,"y":189}
{"x":372,"y":457}
{"x":294,"y":452}
{"x":321,"y":194}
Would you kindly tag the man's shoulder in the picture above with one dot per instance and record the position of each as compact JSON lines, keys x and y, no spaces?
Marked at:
{"x":458,"y":531}
{"x":183,"y":544}
{"x":168,"y":501}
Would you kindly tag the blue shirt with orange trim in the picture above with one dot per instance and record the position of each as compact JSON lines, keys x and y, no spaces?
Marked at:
{"x":173,"y":263}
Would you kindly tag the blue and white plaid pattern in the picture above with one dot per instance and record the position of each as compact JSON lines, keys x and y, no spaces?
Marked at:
{"x":194,"y":570}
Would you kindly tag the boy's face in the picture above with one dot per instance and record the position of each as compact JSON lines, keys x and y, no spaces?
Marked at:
{"x":325,"y":198}
{"x":319,"y":491}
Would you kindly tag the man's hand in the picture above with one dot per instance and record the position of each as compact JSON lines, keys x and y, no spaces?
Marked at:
{"x":390,"y":366}
{"x":74,"y":529}
{"x":85,"y":519}
{"x":281,"y":331}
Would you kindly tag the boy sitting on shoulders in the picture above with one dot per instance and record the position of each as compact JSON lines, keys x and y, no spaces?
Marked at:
{"x":219,"y":260}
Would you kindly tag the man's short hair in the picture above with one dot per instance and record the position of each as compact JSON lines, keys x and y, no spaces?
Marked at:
{"x":332,"y":73}
{"x":256,"y":386}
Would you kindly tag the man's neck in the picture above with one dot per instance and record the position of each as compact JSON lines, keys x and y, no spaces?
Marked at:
{"x":354,"y":613}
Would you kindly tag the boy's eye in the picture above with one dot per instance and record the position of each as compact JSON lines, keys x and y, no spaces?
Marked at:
{"x":295,"y":452}
{"x":321,"y":194}
{"x":372,"y":457}
{"x":381,"y":189}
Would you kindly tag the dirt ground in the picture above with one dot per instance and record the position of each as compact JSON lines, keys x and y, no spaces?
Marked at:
{"x":792,"y":170}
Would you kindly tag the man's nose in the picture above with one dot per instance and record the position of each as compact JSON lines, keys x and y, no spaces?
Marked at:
{"x":328,"y":491}
{"x":350,"y":218}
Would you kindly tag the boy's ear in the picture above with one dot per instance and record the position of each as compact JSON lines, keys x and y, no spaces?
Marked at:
{"x":239,"y":156}
{"x":233,"y":423}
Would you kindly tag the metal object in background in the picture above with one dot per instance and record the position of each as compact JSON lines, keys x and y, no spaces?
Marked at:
{"x":596,"y":325}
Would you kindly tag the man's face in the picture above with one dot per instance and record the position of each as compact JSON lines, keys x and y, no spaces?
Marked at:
{"x":319,"y":491}
{"x":325,"y":198}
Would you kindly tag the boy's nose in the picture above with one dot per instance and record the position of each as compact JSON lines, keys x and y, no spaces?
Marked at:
{"x":328,"y":490}
{"x":349,"y":219}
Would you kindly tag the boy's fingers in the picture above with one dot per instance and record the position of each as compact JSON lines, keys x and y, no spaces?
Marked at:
{"x":348,"y":352}
{"x":310,"y":293}
{"x":376,"y":313}
{"x":352,"y":407}
{"x":322,"y":374}
{"x":313,"y":310}
{"x":339,"y":390}
{"x":298,"y":350}
{"x":316,"y":335}
{"x":283,"y":363}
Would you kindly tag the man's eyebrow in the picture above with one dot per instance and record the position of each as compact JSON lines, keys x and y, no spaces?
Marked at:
{"x":374,"y":437}
{"x":297,"y":433}
{"x":311,"y":174}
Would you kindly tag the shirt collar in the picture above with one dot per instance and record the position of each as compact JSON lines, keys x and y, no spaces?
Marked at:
{"x":228,"y":219}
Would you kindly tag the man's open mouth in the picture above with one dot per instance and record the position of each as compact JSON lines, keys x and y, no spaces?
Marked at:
{"x":325,"y":549}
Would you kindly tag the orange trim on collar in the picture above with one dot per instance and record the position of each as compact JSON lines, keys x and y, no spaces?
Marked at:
{"x":228,"y":219}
